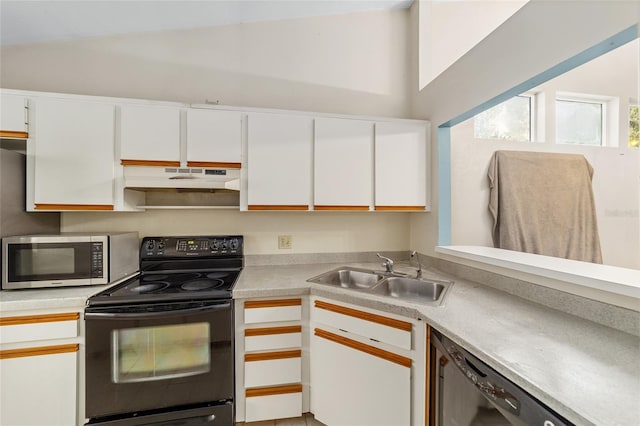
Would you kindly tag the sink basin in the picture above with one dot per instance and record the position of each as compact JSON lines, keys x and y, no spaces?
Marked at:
{"x":348,"y":277}
{"x":413,"y":289}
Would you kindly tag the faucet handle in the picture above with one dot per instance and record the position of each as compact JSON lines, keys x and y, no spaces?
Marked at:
{"x":388,"y":263}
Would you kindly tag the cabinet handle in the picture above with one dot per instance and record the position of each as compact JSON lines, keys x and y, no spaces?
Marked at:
{"x":272,"y":303}
{"x":219,"y":164}
{"x":346,"y":208}
{"x":152,"y":163}
{"x":371,"y":350}
{"x":35,"y":319}
{"x":74,"y":207}
{"x":401,"y":208}
{"x":269,"y":356}
{"x":266,"y":331}
{"x":277,"y":207}
{"x":378,"y":319}
{"x":42,"y":350}
{"x":13,"y":134}
{"x":275,"y":390}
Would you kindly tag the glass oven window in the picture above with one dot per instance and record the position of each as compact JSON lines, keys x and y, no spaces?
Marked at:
{"x":163,"y":352}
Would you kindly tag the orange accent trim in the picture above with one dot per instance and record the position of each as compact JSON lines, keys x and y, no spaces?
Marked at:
{"x":13,"y":134}
{"x":378,"y":319}
{"x":272,"y":303}
{"x":277,"y":207}
{"x":214,"y":164}
{"x":400,"y":208}
{"x":348,"y":208}
{"x":269,"y":356}
{"x":35,"y":319}
{"x":275,"y":390}
{"x":380,"y":353}
{"x":101,"y":207}
{"x":152,"y":163}
{"x":267,"y":331}
{"x":43,"y":350}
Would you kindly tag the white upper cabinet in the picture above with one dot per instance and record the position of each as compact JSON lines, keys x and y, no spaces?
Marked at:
{"x":73,"y":152}
{"x":279,"y":160}
{"x":214,"y":138}
{"x":149,"y":135}
{"x":401,"y":166}
{"x":13,"y":116}
{"x":343,"y":164}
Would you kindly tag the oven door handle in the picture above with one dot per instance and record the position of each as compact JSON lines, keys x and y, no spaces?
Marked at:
{"x":128,"y":312}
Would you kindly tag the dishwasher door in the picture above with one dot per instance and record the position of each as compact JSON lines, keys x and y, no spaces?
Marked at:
{"x":470,"y":393}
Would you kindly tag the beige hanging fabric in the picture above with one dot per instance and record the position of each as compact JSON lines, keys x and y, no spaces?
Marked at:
{"x":543,"y":203}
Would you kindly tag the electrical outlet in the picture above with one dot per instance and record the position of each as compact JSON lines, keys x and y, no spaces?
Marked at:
{"x":284,"y":241}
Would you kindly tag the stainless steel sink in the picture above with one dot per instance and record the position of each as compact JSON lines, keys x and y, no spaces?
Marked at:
{"x":413,"y":289}
{"x":348,"y":277}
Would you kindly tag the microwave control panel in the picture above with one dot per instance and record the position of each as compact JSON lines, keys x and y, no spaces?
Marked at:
{"x":97,"y":260}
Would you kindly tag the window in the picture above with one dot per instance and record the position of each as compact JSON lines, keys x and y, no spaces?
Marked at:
{"x":634,"y":126}
{"x":589,"y":120}
{"x":510,"y":120}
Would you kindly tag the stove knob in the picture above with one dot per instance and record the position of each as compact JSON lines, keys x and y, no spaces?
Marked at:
{"x":224,"y":244}
{"x":234,"y":244}
{"x":161,"y":245}
{"x":214,"y":244}
{"x":151,"y":244}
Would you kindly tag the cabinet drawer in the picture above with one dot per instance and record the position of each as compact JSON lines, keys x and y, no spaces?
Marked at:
{"x":272,"y":368}
{"x":269,"y":338}
{"x":256,"y":311}
{"x":38,"y":327}
{"x":374,"y":326}
{"x":273,"y":403}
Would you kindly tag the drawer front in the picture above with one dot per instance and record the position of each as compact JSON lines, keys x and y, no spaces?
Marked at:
{"x":38,"y":327}
{"x":272,"y":368}
{"x":273,"y":403}
{"x":270,"y":338}
{"x":374,"y":326}
{"x":257,"y":311}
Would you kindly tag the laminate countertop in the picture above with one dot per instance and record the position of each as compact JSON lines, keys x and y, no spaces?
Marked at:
{"x":585,"y":371}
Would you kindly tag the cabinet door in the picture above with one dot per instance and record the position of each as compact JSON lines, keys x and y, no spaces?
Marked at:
{"x":279,"y":161}
{"x":150,"y":135}
{"x":13,"y":116}
{"x":401,"y":166}
{"x":74,"y":155}
{"x":357,"y":384}
{"x":38,"y":386}
{"x":214,"y":138}
{"x":343,"y":164}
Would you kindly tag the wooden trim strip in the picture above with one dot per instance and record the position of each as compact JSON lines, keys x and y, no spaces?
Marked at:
{"x":274,"y":390}
{"x":345,"y":208}
{"x":267,"y":331}
{"x":152,"y":163}
{"x":378,"y":319}
{"x":277,"y":207}
{"x":42,"y":350}
{"x":401,"y":208}
{"x":377,"y":352}
{"x":35,"y":319}
{"x":14,"y":134}
{"x":270,"y":356}
{"x":92,"y":207}
{"x":272,"y":303}
{"x":223,"y":165}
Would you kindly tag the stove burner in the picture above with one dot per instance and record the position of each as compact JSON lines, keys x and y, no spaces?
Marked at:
{"x":151,"y":287}
{"x":158,"y":277}
{"x":201,"y":284}
{"x":214,"y":275}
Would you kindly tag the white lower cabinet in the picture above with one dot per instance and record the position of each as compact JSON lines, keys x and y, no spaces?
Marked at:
{"x":39,"y":379}
{"x":269,"y":359}
{"x":367,"y":367}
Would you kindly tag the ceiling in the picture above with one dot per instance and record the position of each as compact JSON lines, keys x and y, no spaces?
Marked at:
{"x":27,"y":21}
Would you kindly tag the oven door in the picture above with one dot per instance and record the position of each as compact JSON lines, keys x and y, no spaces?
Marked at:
{"x":159,"y":356}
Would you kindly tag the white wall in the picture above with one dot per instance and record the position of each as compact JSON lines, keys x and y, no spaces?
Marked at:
{"x":350,"y":64}
{"x":539,"y":36}
{"x":616,"y":179}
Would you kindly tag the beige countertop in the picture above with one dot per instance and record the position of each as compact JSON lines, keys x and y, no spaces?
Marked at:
{"x":585,"y":371}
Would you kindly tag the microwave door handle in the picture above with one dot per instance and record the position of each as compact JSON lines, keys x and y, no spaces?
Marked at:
{"x":123,"y":314}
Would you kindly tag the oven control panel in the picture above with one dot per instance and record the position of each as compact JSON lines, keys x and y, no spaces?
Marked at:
{"x":219,"y":246}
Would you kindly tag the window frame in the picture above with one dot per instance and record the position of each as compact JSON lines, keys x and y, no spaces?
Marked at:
{"x":609,"y":116}
{"x":533,"y":119}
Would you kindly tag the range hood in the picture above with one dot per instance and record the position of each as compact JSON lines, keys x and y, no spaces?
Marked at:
{"x":145,"y":177}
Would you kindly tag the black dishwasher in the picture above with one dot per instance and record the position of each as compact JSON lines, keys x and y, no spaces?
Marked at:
{"x":467,"y":392}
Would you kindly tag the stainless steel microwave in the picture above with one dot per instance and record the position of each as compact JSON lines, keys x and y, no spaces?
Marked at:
{"x":36,"y":261}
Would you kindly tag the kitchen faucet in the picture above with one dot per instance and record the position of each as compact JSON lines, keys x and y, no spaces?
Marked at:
{"x":388,"y":263}
{"x":419,"y":271}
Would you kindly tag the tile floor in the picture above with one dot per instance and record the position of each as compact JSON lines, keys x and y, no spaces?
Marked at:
{"x":307,"y":419}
